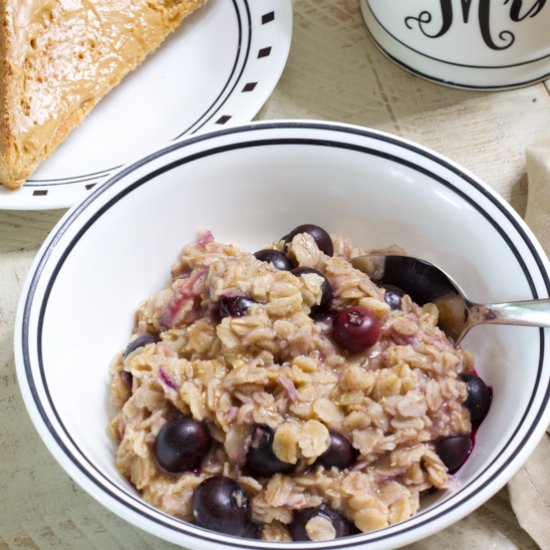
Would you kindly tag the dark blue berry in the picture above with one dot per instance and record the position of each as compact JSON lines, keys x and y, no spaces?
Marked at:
{"x":340,"y":453}
{"x":298,"y":527}
{"x":181,"y":445}
{"x":326,"y":291}
{"x":221,"y":504}
{"x":320,"y":236}
{"x":233,"y":306}
{"x":260,"y":459}
{"x":278,"y":259}
{"x":140,"y":342}
{"x":479,"y":397}
{"x":454,"y":450}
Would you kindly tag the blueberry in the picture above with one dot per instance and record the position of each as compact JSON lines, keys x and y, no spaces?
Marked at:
{"x":278,"y":259}
{"x":320,"y":236}
{"x":233,"y":306}
{"x":340,"y":452}
{"x":127,"y":377}
{"x":355,"y":328}
{"x":454,"y":450}
{"x":326,"y":290}
{"x":393,"y":296}
{"x":181,"y":445}
{"x":301,"y":527}
{"x":419,"y":279}
{"x":221,"y":504}
{"x":479,"y":397}
{"x":260,"y":459}
{"x":139,"y":342}
{"x":325,"y":316}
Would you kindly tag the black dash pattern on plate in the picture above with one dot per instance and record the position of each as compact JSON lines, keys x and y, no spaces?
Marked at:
{"x":268,"y":17}
{"x":264,"y":52}
{"x":223,"y":119}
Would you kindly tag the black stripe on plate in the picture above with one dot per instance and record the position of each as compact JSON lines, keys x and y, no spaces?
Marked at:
{"x":137,"y":504}
{"x":72,"y":179}
{"x":243,"y":25}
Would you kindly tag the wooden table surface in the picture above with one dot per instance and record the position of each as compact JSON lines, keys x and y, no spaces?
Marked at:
{"x":333,"y":73}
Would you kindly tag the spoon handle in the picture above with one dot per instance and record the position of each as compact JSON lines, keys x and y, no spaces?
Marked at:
{"x":526,"y":313}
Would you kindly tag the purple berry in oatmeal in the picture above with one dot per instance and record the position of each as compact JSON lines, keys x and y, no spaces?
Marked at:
{"x":393,"y":296}
{"x":421,"y":281}
{"x":221,"y":504}
{"x":234,"y":306}
{"x":278,"y":259}
{"x":355,"y":328}
{"x":127,"y":377}
{"x":340,"y":453}
{"x":326,"y":288}
{"x":139,"y":342}
{"x":318,"y":524}
{"x":181,"y":445}
{"x":260,"y":459}
{"x":320,"y":236}
{"x":454,"y":450}
{"x":479,"y":397}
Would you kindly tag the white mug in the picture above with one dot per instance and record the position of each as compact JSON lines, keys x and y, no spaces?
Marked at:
{"x":473,"y":44}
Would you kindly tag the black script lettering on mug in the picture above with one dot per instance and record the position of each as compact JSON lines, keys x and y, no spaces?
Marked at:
{"x":518,"y":11}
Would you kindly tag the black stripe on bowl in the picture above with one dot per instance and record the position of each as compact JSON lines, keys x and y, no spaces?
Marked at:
{"x":133,"y":502}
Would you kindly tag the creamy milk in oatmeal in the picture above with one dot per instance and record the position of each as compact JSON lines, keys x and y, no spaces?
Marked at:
{"x":284,"y":395}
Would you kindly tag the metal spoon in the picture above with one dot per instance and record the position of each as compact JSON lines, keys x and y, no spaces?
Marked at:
{"x":425,"y":282}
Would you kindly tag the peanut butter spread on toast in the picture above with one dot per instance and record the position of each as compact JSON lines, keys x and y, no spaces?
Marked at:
{"x":59,"y":58}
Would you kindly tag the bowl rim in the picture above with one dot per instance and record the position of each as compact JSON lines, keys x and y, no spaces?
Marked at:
{"x":167,"y":529}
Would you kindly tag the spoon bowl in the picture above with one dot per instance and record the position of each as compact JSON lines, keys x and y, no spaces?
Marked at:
{"x":424,"y":282}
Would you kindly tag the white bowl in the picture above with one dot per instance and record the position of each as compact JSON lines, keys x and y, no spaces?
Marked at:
{"x":250,"y":185}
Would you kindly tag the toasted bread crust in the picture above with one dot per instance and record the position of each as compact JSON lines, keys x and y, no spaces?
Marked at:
{"x":6,"y":137}
{"x":25,"y":140}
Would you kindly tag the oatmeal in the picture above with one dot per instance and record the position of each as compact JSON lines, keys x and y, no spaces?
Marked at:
{"x":284,"y":395}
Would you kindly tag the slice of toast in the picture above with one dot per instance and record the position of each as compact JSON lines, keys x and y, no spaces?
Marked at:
{"x":58,"y":58}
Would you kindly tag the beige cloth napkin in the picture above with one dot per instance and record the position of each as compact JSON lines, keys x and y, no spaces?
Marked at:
{"x":530,"y":488}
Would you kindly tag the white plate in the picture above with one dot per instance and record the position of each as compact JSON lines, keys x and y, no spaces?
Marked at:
{"x":217,"y":70}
